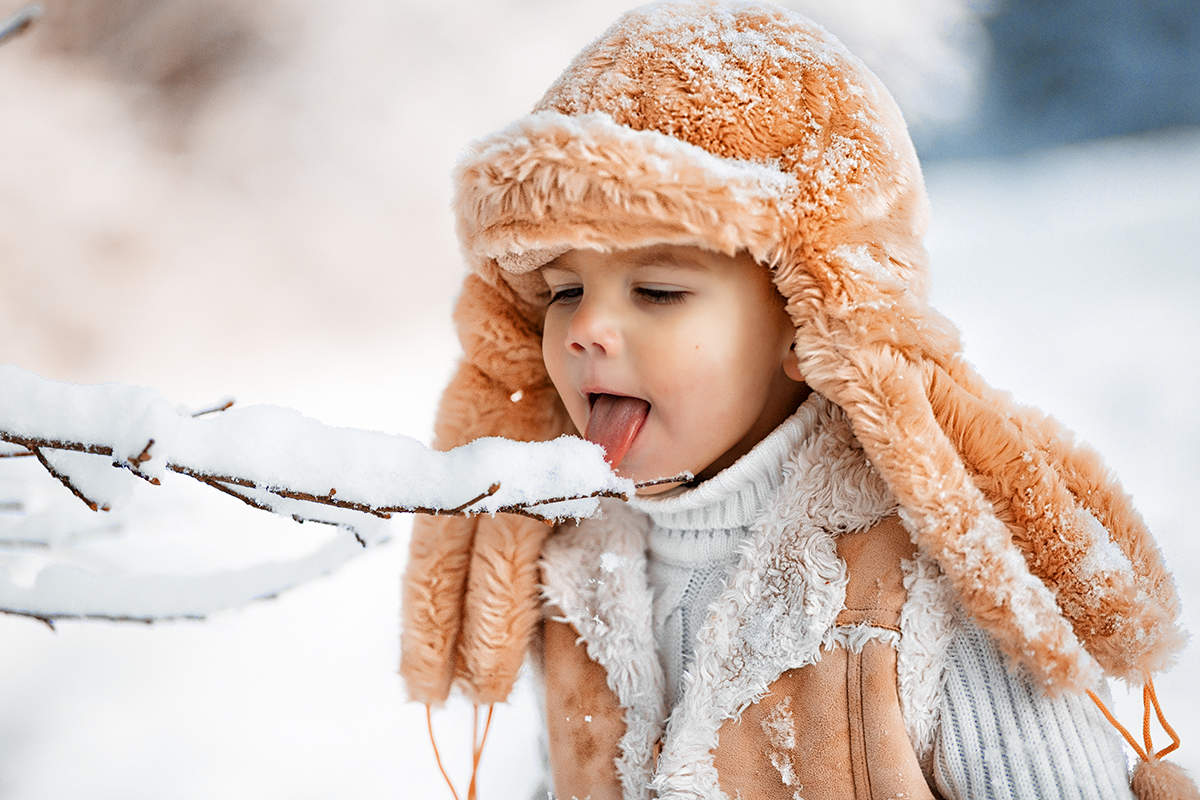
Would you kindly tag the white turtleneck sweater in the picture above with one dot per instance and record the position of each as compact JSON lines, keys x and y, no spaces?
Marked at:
{"x":999,"y":737}
{"x":693,"y":543}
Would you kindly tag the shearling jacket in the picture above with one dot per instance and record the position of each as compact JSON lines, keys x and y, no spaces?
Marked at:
{"x":820,"y":671}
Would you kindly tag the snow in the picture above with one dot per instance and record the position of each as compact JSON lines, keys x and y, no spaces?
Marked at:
{"x":1070,"y":273}
{"x":127,"y":416}
{"x":280,"y":447}
{"x":268,"y":447}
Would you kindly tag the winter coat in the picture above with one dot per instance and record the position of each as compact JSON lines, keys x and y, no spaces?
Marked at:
{"x":818,"y":674}
{"x":794,"y":687}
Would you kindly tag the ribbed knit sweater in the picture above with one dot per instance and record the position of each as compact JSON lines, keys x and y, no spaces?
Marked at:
{"x":999,"y":736}
{"x":693,"y":542}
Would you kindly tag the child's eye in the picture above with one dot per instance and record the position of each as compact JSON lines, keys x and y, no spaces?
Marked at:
{"x":568,"y":294}
{"x":663,"y":296}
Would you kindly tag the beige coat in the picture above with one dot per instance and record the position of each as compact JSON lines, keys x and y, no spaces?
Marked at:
{"x":815,"y":674}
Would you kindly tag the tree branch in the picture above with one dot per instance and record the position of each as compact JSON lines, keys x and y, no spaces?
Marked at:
{"x":223,"y":483}
{"x":223,"y":406}
{"x":65,"y":480}
{"x":271,"y":460}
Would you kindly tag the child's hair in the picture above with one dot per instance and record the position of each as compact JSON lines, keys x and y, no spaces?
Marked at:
{"x":741,"y":125}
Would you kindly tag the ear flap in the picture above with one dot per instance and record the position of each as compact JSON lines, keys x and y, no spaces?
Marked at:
{"x":883,"y":395}
{"x":439,"y":553}
{"x":501,"y":607}
{"x":1067,"y":513}
{"x":486,"y":567}
{"x":1013,"y":512}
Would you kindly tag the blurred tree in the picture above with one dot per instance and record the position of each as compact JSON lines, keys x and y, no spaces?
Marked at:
{"x":179,"y":50}
{"x":1081,"y":69}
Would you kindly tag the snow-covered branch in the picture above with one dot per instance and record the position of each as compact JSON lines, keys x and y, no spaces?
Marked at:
{"x":265,"y":455}
{"x":269,"y":458}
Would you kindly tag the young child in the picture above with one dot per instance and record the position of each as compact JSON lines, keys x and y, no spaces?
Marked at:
{"x":703,"y":251}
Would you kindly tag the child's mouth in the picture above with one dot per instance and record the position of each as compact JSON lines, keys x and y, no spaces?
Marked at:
{"x":614,"y":422}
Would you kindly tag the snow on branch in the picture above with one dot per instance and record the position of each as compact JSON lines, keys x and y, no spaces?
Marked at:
{"x":264,"y":455}
{"x":269,"y":458}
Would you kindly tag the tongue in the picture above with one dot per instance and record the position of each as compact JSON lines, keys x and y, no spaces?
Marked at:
{"x":614,"y":424}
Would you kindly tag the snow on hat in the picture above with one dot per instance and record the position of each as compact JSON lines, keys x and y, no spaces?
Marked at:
{"x":744,"y":126}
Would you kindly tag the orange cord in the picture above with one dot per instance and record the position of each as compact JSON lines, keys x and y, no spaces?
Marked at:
{"x":1162,"y":720}
{"x":477,"y":749}
{"x":1148,"y":698}
{"x":436,"y":754}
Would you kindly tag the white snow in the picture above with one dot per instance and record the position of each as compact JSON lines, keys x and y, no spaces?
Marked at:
{"x":304,"y":258}
{"x":280,"y":447}
{"x":270,"y":447}
{"x":123,"y":418}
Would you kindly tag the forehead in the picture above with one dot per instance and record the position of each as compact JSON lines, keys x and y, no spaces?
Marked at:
{"x":669,"y":256}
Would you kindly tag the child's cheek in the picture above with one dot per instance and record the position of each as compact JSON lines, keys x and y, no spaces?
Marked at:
{"x":554,"y":360}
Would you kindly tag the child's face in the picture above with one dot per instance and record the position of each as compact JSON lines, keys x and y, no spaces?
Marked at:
{"x":702,"y":337}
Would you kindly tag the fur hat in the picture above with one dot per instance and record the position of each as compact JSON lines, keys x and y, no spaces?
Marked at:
{"x":743,"y":126}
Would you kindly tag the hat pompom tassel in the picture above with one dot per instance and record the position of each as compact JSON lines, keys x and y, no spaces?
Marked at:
{"x":1153,"y":778}
{"x":1162,"y":780}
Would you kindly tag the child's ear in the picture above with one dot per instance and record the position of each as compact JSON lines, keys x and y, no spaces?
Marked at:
{"x":791,"y":365}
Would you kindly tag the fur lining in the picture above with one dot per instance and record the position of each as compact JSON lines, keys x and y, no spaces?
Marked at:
{"x":780,"y":601}
{"x":855,"y":637}
{"x":639,"y":186}
{"x":928,"y":623}
{"x":776,"y":613}
{"x":595,"y":573}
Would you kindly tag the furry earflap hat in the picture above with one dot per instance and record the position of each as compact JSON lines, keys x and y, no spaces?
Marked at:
{"x":743,"y":126}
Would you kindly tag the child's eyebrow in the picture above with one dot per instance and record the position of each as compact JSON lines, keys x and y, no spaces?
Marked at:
{"x":666,"y":259}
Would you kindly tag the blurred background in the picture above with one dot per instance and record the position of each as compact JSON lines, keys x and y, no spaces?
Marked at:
{"x":220,"y":198}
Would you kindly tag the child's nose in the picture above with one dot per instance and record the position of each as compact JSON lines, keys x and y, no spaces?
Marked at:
{"x":594,"y":330}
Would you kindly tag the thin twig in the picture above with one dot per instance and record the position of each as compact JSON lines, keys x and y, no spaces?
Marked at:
{"x":345,"y":526}
{"x":225,"y":406}
{"x":334,"y":523}
{"x":491,"y":490}
{"x":12,"y":505}
{"x":17,"y":454}
{"x":19,"y":22}
{"x":65,"y":480}
{"x":220,"y":487}
{"x":56,"y":444}
{"x":511,"y":509}
{"x":325,"y":499}
{"x":132,"y":468}
{"x":682,"y":477}
{"x":144,"y":456}
{"x":250,"y":501}
{"x":49,"y":619}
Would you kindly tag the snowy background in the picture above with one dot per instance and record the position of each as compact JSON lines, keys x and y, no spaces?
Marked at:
{"x":216,"y":198}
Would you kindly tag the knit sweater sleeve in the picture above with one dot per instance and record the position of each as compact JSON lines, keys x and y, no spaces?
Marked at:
{"x":1001,"y":738}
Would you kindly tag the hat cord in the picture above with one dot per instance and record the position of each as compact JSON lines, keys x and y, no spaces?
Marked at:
{"x":1149,"y":698}
{"x":477,"y":743}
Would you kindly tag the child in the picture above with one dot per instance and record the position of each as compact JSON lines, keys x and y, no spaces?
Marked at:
{"x":703,"y":251}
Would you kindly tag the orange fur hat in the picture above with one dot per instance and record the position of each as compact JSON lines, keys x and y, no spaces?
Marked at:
{"x":743,"y":126}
